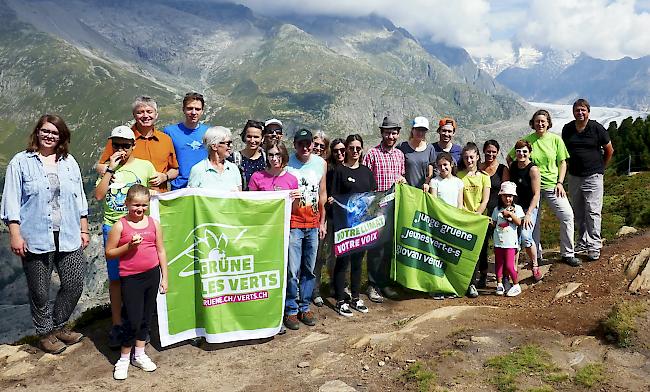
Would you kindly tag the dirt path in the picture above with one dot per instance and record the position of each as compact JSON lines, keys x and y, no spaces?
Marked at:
{"x":372,"y":352}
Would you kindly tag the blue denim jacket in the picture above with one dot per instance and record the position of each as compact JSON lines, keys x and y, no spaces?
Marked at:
{"x":25,"y":200}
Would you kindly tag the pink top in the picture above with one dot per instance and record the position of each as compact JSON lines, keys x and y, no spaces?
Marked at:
{"x":145,"y":256}
{"x":264,"y":181}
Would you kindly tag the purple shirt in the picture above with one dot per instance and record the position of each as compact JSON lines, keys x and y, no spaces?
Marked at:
{"x":264,"y":181}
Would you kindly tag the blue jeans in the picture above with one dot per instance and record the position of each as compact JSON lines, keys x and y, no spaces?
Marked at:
{"x":303,"y":245}
{"x":526,"y":237}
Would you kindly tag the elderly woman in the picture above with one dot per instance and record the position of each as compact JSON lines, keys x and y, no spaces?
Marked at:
{"x":215,"y":172}
{"x":549,"y":153}
{"x":45,"y":208}
{"x":321,"y":145}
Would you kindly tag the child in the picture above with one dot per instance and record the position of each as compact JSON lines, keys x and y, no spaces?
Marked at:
{"x":506,"y":218}
{"x":446,"y":185}
{"x":136,"y":240}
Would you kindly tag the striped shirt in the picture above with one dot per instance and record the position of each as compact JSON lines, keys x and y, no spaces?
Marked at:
{"x":386,"y":165}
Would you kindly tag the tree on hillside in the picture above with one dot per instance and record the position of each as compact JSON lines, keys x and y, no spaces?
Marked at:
{"x":631,"y":141}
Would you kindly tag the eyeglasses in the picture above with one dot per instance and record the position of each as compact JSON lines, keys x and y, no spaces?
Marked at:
{"x":522,"y":151}
{"x":319,"y":145}
{"x":226,"y":143}
{"x":355,"y":148}
{"x":45,"y":132}
{"x":121,"y":146}
{"x":339,"y":151}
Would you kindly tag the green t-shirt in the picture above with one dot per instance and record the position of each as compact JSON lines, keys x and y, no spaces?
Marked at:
{"x":548,"y":152}
{"x":473,"y":189}
{"x":138,"y":171}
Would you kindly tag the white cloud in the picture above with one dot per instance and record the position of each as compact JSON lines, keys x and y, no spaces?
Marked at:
{"x":601,"y":28}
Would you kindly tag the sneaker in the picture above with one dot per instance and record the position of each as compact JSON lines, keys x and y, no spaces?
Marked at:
{"x":343,"y":309}
{"x":144,"y":362}
{"x":514,"y":291}
{"x":472,"y":292}
{"x":572,"y":261}
{"x":121,"y":370}
{"x":318,"y":301}
{"x":283,"y":330}
{"x":451,"y":296}
{"x":374,"y":295}
{"x":437,"y":296}
{"x":308,"y":318}
{"x":115,"y":337}
{"x":291,"y":322}
{"x":593,"y":257}
{"x":500,"y":289}
{"x":51,"y":344}
{"x":537,"y":274}
{"x":482,"y":281}
{"x":389,"y":292}
{"x":68,"y":336}
{"x":358,"y":305}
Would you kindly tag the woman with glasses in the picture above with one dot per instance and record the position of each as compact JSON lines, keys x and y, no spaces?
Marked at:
{"x":325,"y":256}
{"x":215,"y":172}
{"x":321,"y":145}
{"x":45,"y":208}
{"x":251,"y":158}
{"x":350,"y":177}
{"x":525,"y":174}
{"x":275,"y":177}
{"x":419,"y":156}
{"x":498,"y":173}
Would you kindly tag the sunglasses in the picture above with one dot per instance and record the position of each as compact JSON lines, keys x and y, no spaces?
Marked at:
{"x":319,"y":145}
{"x":339,"y":151}
{"x":521,"y":151}
{"x":122,"y":146}
{"x":275,"y":132}
{"x":46,"y":132}
{"x":355,"y":148}
{"x":227,"y":143}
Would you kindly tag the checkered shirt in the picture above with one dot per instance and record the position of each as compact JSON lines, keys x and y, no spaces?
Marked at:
{"x":386,"y":165}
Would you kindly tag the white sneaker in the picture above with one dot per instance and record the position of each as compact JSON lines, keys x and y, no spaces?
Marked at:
{"x":144,"y":362}
{"x":344,"y":309}
{"x":121,"y":371}
{"x":500,"y":289}
{"x":514,"y":291}
{"x":358,"y":305}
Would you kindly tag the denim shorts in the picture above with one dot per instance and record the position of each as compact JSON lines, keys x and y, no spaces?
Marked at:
{"x":112,"y":265}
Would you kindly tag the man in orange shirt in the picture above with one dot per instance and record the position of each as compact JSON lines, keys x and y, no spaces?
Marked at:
{"x":151,"y":145}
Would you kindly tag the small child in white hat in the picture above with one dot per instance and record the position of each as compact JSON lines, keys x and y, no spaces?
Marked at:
{"x":506,"y":218}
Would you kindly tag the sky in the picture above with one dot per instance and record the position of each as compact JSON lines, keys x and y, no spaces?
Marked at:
{"x":492,"y":28}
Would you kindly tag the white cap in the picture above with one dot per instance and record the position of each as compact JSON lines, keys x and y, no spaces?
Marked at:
{"x":421,"y":122}
{"x":122,"y":131}
{"x":272,"y":121}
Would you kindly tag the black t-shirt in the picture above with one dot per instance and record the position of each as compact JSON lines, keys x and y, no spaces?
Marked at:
{"x":346,"y":180}
{"x":495,"y":186}
{"x":585,"y":148}
{"x":521,"y":177}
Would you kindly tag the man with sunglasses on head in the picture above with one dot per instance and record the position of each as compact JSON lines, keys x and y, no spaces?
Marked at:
{"x":187,"y":137}
{"x":272,"y":131}
{"x":152,"y":145}
{"x":122,"y":171}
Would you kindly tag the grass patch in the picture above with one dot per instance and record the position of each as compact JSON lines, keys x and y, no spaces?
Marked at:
{"x":529,"y":359}
{"x":620,"y":324}
{"x":543,"y":388}
{"x":556,"y":377}
{"x":420,"y":375}
{"x":460,"y":331}
{"x":591,"y":375}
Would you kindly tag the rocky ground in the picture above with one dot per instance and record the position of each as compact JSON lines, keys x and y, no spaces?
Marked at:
{"x":536,"y":342}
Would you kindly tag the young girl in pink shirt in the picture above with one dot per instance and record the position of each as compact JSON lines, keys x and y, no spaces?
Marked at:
{"x":136,"y":240}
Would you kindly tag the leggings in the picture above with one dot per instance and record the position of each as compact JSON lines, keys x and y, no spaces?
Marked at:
{"x":70,"y":266}
{"x":504,"y":261}
{"x":139,"y":292}
{"x":341,"y":266}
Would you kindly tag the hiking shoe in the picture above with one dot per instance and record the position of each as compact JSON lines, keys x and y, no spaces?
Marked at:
{"x":514,"y":291}
{"x":67,"y":336}
{"x":115,"y":337}
{"x":318,"y":301}
{"x":121,"y":370}
{"x":343,"y":309}
{"x":51,"y":344}
{"x":537,"y":274}
{"x":358,"y":305}
{"x":307,"y":318}
{"x":144,"y":362}
{"x":374,"y":294}
{"x":389,"y":292}
{"x":472,"y":292}
{"x":500,"y":289}
{"x":482,"y":281}
{"x":291,"y":322}
{"x":572,"y":261}
{"x":437,"y":296}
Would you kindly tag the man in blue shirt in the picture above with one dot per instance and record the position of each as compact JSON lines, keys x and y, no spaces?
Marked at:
{"x":187,"y":137}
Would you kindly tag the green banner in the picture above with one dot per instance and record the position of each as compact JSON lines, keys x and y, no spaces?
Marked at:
{"x":227,"y":256}
{"x":436,"y":245}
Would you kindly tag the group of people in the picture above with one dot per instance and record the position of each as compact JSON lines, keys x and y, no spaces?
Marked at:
{"x":45,"y":207}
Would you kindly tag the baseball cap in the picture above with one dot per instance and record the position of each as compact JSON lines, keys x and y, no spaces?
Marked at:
{"x":447,"y":120}
{"x":273,"y":121}
{"x":122,"y":131}
{"x":421,"y":122}
{"x":303,"y":134}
